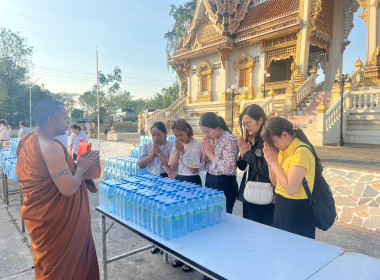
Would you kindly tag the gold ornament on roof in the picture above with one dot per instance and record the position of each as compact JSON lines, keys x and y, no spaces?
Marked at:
{"x":358,"y":64}
{"x":313,"y":71}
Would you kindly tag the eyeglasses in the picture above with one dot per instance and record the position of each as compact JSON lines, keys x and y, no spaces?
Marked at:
{"x":247,"y":124}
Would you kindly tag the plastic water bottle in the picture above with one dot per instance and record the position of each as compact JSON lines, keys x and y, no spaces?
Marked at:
{"x":183,"y":217}
{"x":176,"y":220}
{"x":203,"y":211}
{"x":189,"y":204}
{"x":223,"y":208}
{"x":167,"y":221}
{"x":101,"y":195}
{"x":155,"y":216}
{"x":211,"y":210}
{"x":145,"y":211}
{"x":159,"y":218}
{"x":111,"y":198}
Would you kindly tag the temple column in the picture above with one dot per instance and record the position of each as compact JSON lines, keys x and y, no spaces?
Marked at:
{"x":303,"y":42}
{"x":335,"y":55}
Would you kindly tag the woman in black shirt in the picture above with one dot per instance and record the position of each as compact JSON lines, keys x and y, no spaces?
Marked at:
{"x":251,"y":147}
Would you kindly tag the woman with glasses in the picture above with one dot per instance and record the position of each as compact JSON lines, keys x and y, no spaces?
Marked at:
{"x":252,"y":160}
{"x":219,"y":153}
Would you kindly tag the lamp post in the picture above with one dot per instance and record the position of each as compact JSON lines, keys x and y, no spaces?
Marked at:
{"x":266,"y":75}
{"x":341,"y":80}
{"x":231,"y":92}
{"x":30,"y":107}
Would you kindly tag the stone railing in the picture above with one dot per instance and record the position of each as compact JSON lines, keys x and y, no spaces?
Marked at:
{"x":267,"y":104}
{"x":357,"y":77}
{"x":364,"y":100}
{"x":332,"y":115}
{"x":173,"y":111}
{"x":305,"y":89}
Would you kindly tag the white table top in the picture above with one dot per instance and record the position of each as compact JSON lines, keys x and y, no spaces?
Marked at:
{"x":242,"y":249}
{"x":350,"y":266}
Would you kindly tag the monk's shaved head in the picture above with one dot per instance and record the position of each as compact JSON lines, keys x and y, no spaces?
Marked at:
{"x":46,"y":108}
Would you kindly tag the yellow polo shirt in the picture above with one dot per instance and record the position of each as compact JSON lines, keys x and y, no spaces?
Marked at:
{"x":301,"y":157}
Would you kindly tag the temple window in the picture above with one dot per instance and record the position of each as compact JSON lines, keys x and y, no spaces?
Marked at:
{"x":244,"y":77}
{"x":205,"y":83}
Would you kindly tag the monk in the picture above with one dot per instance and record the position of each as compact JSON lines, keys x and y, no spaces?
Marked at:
{"x":56,"y":208}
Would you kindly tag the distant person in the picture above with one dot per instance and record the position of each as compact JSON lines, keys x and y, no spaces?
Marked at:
{"x":24,"y":129}
{"x":219,"y":153}
{"x":77,"y":136}
{"x":63,"y":139}
{"x":105,"y":129}
{"x":5,"y":130}
{"x":88,"y":129}
{"x":251,"y":148}
{"x":289,"y":164}
{"x":56,"y":208}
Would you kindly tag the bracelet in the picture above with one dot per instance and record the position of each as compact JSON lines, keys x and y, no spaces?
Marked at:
{"x":272,"y":165}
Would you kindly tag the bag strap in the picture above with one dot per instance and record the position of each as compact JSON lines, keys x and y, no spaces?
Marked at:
{"x":246,"y":179}
{"x":304,"y":182}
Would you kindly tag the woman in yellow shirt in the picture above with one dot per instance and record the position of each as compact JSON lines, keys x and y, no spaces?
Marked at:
{"x":288,"y":165}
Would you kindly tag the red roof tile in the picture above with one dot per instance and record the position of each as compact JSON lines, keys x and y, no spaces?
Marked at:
{"x":268,"y":10}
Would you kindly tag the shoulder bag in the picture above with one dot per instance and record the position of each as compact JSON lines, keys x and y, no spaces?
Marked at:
{"x":258,"y":192}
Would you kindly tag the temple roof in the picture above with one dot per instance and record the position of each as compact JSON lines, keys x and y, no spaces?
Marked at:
{"x":268,"y":10}
{"x":222,"y":23}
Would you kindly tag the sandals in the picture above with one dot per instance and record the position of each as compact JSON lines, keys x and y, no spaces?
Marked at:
{"x":178,"y":263}
{"x":186,"y":268}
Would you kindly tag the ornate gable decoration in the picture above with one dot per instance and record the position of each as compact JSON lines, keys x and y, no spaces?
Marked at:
{"x":227,"y":14}
{"x":214,"y":17}
{"x":244,"y":61}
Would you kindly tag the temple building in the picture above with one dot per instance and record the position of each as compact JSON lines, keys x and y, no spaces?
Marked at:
{"x":238,"y":52}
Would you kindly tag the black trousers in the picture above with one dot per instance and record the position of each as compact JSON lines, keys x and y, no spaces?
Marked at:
{"x":75,"y":156}
{"x":225,"y":183}
{"x":192,"y":179}
{"x":262,"y":214}
{"x":294,"y":215}
{"x":164,"y":175}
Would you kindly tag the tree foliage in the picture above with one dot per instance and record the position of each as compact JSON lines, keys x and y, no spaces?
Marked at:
{"x":15,"y":88}
{"x":66,"y":98}
{"x":183,"y":14}
{"x":77,"y":114}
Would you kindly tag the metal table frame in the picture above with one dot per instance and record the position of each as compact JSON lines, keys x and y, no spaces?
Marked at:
{"x":7,"y":193}
{"x":155,"y":243}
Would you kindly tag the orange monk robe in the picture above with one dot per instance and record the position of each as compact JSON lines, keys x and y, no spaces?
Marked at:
{"x":59,"y":226}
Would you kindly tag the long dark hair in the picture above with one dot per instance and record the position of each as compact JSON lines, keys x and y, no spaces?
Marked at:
{"x":160,"y":126}
{"x":255,"y":112}
{"x":181,"y":124}
{"x":275,"y":126}
{"x":212,"y":120}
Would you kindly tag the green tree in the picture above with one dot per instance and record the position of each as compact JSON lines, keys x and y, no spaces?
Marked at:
{"x":66,"y":98}
{"x":77,"y":114}
{"x":15,"y":60}
{"x":183,"y":14}
{"x":165,"y":98}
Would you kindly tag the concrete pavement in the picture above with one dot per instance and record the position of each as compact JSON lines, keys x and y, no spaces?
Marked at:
{"x":16,"y":257}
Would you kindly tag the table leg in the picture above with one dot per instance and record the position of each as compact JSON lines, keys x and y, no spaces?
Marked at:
{"x":166,"y":257}
{"x":6,"y":198}
{"x":22,"y":203}
{"x":2,"y":179}
{"x":104,"y":246}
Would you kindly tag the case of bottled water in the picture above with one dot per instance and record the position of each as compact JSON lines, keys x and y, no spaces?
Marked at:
{"x":162,"y":207}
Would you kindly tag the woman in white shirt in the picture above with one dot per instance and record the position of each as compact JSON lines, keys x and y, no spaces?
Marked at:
{"x":24,"y":130}
{"x":185,"y":157}
{"x":5,"y":130}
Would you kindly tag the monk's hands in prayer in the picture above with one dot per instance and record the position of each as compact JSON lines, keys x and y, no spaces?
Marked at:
{"x":88,"y":159}
{"x":243,"y":146}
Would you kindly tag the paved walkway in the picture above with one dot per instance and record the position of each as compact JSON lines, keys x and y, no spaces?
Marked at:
{"x":16,"y":257}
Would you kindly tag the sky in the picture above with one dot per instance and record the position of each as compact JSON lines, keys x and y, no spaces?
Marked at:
{"x":128,"y":34}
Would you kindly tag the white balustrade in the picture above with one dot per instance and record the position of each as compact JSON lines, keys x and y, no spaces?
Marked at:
{"x":173,"y":110}
{"x":305,"y":89}
{"x":364,"y":100}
